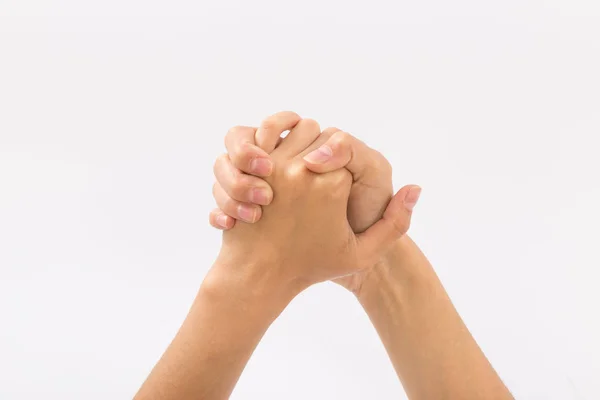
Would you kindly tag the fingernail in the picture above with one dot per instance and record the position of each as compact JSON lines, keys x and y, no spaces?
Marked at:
{"x":259,"y":196}
{"x":320,"y":155}
{"x":412,"y":197}
{"x":261,"y":166}
{"x":222,"y":220}
{"x":246,"y":213}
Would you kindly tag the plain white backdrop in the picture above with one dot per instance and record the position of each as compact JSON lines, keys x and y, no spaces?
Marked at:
{"x":112,"y":112}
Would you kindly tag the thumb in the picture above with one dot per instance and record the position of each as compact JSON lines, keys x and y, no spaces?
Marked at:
{"x":393,"y":224}
{"x":341,"y":150}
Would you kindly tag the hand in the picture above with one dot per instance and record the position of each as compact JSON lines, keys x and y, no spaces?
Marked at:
{"x":370,"y":193}
{"x":304,"y":235}
{"x":372,"y":187}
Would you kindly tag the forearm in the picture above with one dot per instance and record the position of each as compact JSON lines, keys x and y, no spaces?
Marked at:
{"x":229,"y":316}
{"x":431,"y":349}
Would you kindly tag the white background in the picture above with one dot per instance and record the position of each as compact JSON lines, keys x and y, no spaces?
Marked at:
{"x":112,"y":112}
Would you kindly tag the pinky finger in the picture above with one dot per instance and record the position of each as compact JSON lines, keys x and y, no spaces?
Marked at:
{"x":218,"y":219}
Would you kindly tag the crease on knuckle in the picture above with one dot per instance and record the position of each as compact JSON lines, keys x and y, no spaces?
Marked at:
{"x":340,"y":142}
{"x":242,"y":155}
{"x":400,"y":225}
{"x":230,"y":206}
{"x":239,"y":187}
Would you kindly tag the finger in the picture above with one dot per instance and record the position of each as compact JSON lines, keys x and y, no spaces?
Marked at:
{"x":394,"y":223}
{"x":236,"y":209}
{"x":344,"y":150}
{"x":245,"y":154}
{"x":320,"y":140}
{"x":299,"y":138}
{"x":218,"y":219}
{"x":240,"y":186}
{"x":270,"y":130}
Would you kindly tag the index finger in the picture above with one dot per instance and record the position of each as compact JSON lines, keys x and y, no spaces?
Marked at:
{"x":245,"y":154}
{"x":249,"y":147}
{"x":344,"y":150}
{"x":270,"y":130}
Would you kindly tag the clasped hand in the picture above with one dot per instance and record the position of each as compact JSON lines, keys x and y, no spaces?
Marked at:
{"x":310,"y":207}
{"x":306,"y":233}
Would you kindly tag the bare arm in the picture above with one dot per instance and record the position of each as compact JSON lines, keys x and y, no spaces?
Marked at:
{"x":302,"y":238}
{"x":432,"y":351}
{"x":228,"y":318}
{"x":430,"y":347}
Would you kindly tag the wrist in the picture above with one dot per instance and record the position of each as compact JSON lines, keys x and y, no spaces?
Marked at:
{"x":254,"y":285}
{"x":403,"y":268}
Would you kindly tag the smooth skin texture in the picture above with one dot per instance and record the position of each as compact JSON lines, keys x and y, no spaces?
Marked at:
{"x":430,"y":347}
{"x":370,"y":193}
{"x":263,"y":265}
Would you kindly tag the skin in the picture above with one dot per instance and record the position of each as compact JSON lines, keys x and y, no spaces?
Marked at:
{"x":429,"y":345}
{"x":239,"y":181}
{"x":263,"y":265}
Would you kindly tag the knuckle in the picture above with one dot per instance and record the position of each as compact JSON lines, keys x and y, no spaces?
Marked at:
{"x":233,"y":132}
{"x":229,"y":206}
{"x":269,"y":123}
{"x":244,"y":148}
{"x":219,"y":162}
{"x":241,"y":155}
{"x":400,"y":225}
{"x":387,"y":167}
{"x":310,"y":124}
{"x":290,"y":114}
{"x":382,"y":163}
{"x":237,"y":129}
{"x":401,"y":228}
{"x":239,"y":187}
{"x":341,"y":139}
{"x":343,"y":178}
{"x":329,"y":132}
{"x":287,"y":115}
{"x":295,"y":171}
{"x":335,"y":183}
{"x":237,"y":133}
